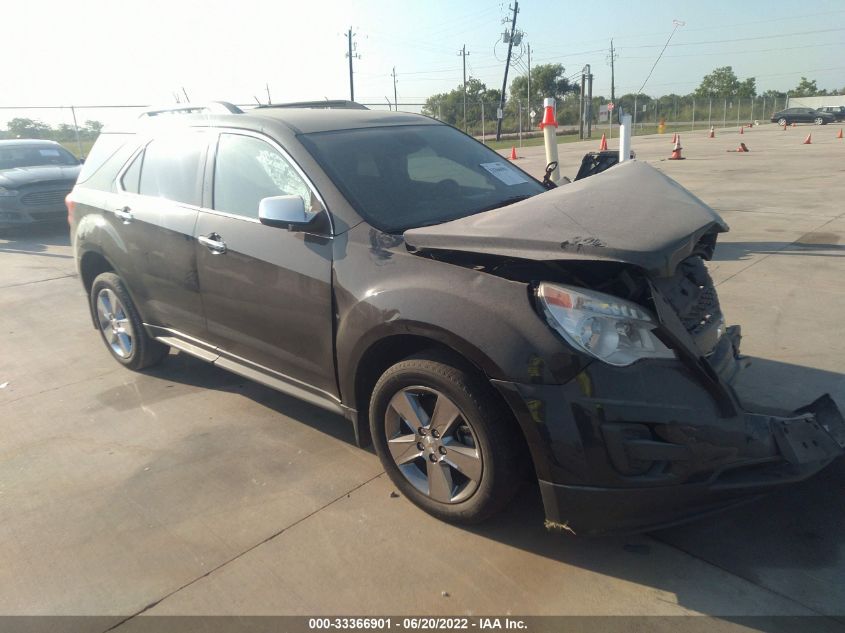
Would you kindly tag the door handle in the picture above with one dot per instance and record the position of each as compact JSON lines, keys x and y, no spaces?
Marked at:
{"x":125,"y":214}
{"x":213,"y":242}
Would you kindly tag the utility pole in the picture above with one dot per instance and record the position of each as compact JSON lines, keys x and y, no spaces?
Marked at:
{"x":501,"y":113}
{"x":463,"y":53}
{"x":528,"y":96}
{"x":395,"y":100}
{"x":612,"y":78}
{"x":589,"y":102}
{"x":350,"y":55}
{"x":581,"y":104}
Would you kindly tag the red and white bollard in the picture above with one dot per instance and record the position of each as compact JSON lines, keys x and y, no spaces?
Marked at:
{"x":549,"y":125}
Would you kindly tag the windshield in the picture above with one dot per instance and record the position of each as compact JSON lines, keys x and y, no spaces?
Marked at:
{"x":402,"y":177}
{"x":34,"y":155}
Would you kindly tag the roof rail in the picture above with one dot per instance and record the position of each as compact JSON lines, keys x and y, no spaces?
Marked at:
{"x":327,"y":104}
{"x":212,"y":107}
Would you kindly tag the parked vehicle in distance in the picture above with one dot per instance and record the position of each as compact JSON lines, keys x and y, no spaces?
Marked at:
{"x":838,"y":112}
{"x":35,"y":177}
{"x":480,"y":328}
{"x":802,"y":115}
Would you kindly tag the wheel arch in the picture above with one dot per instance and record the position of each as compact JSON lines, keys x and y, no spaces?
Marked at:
{"x":387,"y":350}
{"x":91,"y":264}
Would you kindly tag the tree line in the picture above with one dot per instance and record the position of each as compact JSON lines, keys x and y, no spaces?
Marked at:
{"x":30,"y":128}
{"x":721,"y":88}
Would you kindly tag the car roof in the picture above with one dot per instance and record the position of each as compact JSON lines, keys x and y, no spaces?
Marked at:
{"x":27,"y":141}
{"x":309,"y":120}
{"x":297,"y":120}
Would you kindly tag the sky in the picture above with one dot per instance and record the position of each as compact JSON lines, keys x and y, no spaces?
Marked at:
{"x":95,"y":52}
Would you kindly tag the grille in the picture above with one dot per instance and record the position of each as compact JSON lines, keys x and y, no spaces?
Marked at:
{"x":39,"y":198}
{"x":693,"y":296}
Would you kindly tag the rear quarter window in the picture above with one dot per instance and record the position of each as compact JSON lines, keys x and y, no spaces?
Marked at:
{"x":104,"y":148}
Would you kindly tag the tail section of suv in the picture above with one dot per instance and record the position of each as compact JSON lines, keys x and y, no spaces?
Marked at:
{"x":472,"y":323}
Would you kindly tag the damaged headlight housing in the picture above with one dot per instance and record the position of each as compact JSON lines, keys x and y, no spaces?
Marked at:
{"x":611,"y":329}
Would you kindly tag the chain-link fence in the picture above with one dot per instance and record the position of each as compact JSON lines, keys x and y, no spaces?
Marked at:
{"x":78,"y":126}
{"x":690,"y":113}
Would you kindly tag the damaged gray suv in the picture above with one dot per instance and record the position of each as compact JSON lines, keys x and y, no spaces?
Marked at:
{"x":477,"y":326}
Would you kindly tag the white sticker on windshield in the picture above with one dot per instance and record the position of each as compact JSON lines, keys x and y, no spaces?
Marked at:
{"x":49,"y":152}
{"x":505,"y":173}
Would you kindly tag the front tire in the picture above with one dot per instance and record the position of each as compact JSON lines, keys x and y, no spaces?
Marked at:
{"x":120,"y":326}
{"x":445,"y":440}
{"x":819,"y":121}
{"x":782,"y":122}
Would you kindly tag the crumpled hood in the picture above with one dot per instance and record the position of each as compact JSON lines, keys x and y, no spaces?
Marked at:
{"x":630,"y":213}
{"x":21,"y":176}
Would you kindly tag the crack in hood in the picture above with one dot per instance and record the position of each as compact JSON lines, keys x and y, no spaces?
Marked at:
{"x":631,"y":213}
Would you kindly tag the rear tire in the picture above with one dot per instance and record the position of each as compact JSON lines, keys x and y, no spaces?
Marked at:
{"x":120,"y":326}
{"x":819,"y":121}
{"x":445,"y":439}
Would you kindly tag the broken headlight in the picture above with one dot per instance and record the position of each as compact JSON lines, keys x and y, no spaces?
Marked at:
{"x":613,"y":330}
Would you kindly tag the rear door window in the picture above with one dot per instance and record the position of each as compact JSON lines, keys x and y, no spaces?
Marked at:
{"x":171,"y":168}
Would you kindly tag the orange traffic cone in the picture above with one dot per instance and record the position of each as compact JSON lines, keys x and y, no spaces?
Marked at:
{"x":712,"y":133}
{"x":809,"y":139}
{"x":676,"y":151}
{"x":513,"y":155}
{"x":548,"y":118}
{"x":840,"y":133}
{"x":603,"y":144}
{"x":674,"y":138}
{"x":742,"y":130}
{"x":793,"y":124}
{"x":742,"y":148}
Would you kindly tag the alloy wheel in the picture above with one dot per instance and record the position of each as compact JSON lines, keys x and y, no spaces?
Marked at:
{"x":114,"y":323}
{"x":433,"y":445}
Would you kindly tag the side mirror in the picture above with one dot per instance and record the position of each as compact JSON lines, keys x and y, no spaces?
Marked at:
{"x":285,"y":212}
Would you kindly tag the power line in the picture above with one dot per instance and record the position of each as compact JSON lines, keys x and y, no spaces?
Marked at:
{"x":743,"y":39}
{"x":745,"y":52}
{"x":677,"y":23}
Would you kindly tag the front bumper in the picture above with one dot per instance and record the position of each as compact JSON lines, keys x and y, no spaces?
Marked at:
{"x":14,"y":213}
{"x":660,"y":442}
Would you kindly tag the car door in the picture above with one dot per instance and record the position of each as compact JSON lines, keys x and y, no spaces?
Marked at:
{"x":160,"y":190}
{"x":266,"y":291}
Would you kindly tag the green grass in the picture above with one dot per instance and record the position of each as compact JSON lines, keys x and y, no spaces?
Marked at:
{"x":531,"y":142}
{"x":73,"y":148}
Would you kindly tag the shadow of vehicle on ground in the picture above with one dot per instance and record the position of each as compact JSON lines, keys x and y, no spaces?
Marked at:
{"x":36,"y":239}
{"x":813,"y":244}
{"x":791,"y":542}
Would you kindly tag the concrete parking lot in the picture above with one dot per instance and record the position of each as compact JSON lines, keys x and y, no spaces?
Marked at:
{"x":188,"y":490}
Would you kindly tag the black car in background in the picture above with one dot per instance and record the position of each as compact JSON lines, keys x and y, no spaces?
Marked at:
{"x":838,"y":112}
{"x":35,"y":177}
{"x":802,"y":115}
{"x":479,"y":327}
